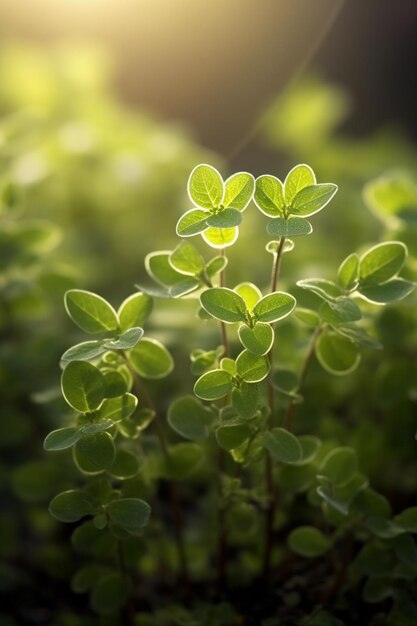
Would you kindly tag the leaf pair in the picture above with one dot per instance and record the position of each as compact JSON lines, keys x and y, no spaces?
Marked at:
{"x":95,"y":316}
{"x":131,"y":514}
{"x":218,"y":205}
{"x":228,"y":306}
{"x":218,"y":383}
{"x":298,"y":197}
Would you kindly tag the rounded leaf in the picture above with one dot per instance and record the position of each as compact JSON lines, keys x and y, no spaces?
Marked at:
{"x":86,"y":351}
{"x":134,"y":311}
{"x":308,"y":541}
{"x":245,"y":399}
{"x":190,"y":419}
{"x":348,"y":272}
{"x":92,"y":313}
{"x":337,"y":354}
{"x":95,"y":453}
{"x":224,"y":304}
{"x":151,"y":360}
{"x":232,"y":436}
{"x":192,"y":223}
{"x":226,"y":218}
{"x":160,"y":269}
{"x":187,"y":259}
{"x":239,"y":190}
{"x":70,"y":506}
{"x":83,"y":386}
{"x":220,"y":237}
{"x":206,"y":187}
{"x":299,"y":177}
{"x":250,"y":294}
{"x":340,"y":465}
{"x":273,"y":307}
{"x":61,"y":439}
{"x":118,"y":409}
{"x":269,"y":196}
{"x":125,"y":341}
{"x":392,"y":290}
{"x":258,"y":339}
{"x":125,"y":465}
{"x":283,"y":446}
{"x":291,"y":227}
{"x":251,"y":367}
{"x":382,"y":262}
{"x":312,"y":199}
{"x":213,"y":385}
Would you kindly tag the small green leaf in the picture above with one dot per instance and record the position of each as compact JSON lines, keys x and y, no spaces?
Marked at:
{"x":340,"y":465}
{"x":341,"y":311}
{"x":381,"y":263}
{"x":245,"y":399}
{"x":150,"y":359}
{"x":132,"y":514}
{"x":83,"y":386}
{"x":239,"y":190}
{"x":215,"y":266}
{"x":220,"y":237}
{"x":125,"y":465}
{"x":232,"y":436}
{"x":184,"y":287}
{"x":116,"y":383}
{"x":95,"y":453}
{"x":291,"y":227}
{"x":117,"y":409}
{"x":134,"y":311}
{"x":213,"y":385}
{"x":125,"y":341}
{"x":183,"y":460}
{"x":61,"y":439}
{"x":70,"y":506}
{"x":299,"y":177}
{"x":90,"y":312}
{"x":310,"y":446}
{"x":95,"y":427}
{"x":226,"y":218}
{"x":325,"y":289}
{"x":251,"y":367}
{"x":192,"y":223}
{"x":337,"y":354}
{"x":187,"y":259}
{"x":307,"y":316}
{"x":189,"y":418}
{"x":250,"y":294}
{"x":269,"y":196}
{"x":273,"y":307}
{"x":228,"y":365}
{"x":312,"y":199}
{"x":283,"y":446}
{"x":308,"y":541}
{"x":348,"y":273}
{"x":393,"y":195}
{"x":395,"y":289}
{"x":224,"y":304}
{"x":258,"y":339}
{"x":160,"y":269}
{"x":85,"y":351}
{"x":206,"y":187}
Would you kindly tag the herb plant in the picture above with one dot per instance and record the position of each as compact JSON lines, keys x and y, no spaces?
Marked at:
{"x":203,"y":483}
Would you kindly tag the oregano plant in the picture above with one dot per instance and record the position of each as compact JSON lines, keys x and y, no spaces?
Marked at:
{"x":195,"y":482}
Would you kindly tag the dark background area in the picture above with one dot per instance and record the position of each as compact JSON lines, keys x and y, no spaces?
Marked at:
{"x":217,"y":74}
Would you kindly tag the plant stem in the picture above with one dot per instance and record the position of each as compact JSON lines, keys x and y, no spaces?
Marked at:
{"x":269,"y":479}
{"x":221,"y":515}
{"x":176,"y":513}
{"x":292,"y":405}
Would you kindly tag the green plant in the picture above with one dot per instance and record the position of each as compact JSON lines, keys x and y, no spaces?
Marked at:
{"x":244,"y":463}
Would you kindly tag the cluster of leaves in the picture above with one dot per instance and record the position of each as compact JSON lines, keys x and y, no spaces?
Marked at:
{"x":233,"y":405}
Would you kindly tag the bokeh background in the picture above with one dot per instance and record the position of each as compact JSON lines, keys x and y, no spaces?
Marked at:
{"x":105,"y":107}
